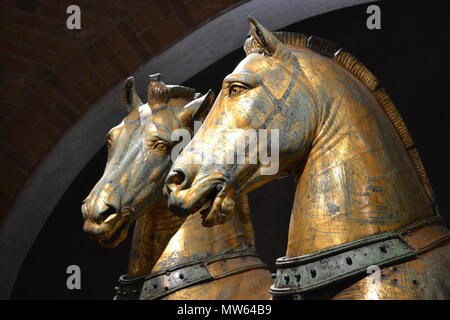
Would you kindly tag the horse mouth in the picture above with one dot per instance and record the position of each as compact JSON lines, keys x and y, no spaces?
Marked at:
{"x":205,"y":210}
{"x":216,"y":207}
{"x":207,"y":206}
{"x":209,"y":197}
{"x":120,"y":224}
{"x":118,"y":235}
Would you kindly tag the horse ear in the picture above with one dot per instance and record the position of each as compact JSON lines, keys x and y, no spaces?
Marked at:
{"x":198,"y":108}
{"x":266,"y":42}
{"x":128,"y":95}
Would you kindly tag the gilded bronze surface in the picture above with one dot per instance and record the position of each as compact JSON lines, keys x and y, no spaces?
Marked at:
{"x":131,"y":188}
{"x":357,"y":170}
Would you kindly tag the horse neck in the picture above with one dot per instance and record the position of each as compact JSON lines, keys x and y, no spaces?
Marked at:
{"x":194,"y":242}
{"x":358,"y":179}
{"x":152,"y":232}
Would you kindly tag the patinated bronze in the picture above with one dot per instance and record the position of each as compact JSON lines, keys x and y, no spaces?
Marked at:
{"x":362,"y":198}
{"x":164,"y":245}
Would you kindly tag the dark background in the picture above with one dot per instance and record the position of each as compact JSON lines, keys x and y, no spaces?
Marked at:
{"x":410,"y":56}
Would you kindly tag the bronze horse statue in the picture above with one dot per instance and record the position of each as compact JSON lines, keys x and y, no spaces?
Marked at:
{"x":363,"y":202}
{"x":171,"y":257}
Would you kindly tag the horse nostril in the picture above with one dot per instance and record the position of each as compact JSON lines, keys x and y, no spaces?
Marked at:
{"x":175,"y":178}
{"x":102,"y":216}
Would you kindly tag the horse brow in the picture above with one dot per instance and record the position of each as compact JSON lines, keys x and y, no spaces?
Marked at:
{"x":162,"y":137}
{"x":162,"y":131}
{"x":247,"y":76}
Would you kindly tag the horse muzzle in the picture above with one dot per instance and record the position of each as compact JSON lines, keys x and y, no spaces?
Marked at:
{"x":106,"y":224}
{"x":206,"y":196}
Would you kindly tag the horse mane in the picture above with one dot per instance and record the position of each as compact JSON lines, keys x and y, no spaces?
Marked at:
{"x":356,"y":68}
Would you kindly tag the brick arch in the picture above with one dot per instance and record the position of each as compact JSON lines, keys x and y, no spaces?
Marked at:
{"x":59,"y":90}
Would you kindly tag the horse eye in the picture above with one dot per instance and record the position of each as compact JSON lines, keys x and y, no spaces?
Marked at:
{"x":161,"y":146}
{"x":236,"y":89}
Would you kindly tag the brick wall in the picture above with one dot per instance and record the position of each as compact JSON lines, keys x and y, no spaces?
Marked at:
{"x":50,"y":76}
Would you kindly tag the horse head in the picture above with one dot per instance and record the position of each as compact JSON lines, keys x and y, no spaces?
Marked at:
{"x":253,"y":111}
{"x":139,"y":157}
